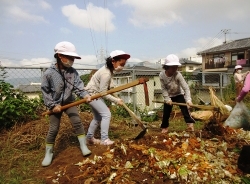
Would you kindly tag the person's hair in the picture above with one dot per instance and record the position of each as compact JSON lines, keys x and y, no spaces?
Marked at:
{"x":234,"y":71}
{"x":56,"y":56}
{"x":58,"y":60}
{"x":165,"y":67}
{"x":109,"y":63}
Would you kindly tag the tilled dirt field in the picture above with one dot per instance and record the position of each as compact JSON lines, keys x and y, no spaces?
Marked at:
{"x":208,"y":155}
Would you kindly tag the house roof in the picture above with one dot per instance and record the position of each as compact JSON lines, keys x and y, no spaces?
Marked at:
{"x":139,"y":71}
{"x":184,"y":61}
{"x":29,"y":88}
{"x":236,"y":44}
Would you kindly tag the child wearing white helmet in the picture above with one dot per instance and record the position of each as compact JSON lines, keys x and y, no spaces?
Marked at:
{"x":239,"y":78}
{"x":100,"y":82}
{"x":59,"y":82}
{"x":174,"y":89}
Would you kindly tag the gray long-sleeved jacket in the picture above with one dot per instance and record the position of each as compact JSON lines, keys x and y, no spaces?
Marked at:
{"x":57,"y":91}
{"x":173,"y":86}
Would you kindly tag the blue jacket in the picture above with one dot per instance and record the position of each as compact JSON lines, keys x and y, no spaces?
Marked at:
{"x":58,"y":90}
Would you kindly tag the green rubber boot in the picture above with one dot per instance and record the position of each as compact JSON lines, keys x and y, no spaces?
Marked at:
{"x":48,"y":155}
{"x":83,"y":146}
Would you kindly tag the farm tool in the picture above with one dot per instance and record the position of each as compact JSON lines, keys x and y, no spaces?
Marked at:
{"x":132,"y":114}
{"x":111,"y":91}
{"x":206,"y":107}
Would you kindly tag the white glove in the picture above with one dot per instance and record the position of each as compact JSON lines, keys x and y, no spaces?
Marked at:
{"x":57,"y":109}
{"x":119,"y":101}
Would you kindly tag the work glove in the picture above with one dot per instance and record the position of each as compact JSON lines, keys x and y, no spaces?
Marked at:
{"x":119,"y":101}
{"x":169,"y":102}
{"x":57,"y":109}
{"x":88,"y":98}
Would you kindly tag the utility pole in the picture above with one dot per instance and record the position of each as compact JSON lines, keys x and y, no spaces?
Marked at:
{"x":225,"y":31}
{"x":101,"y":56}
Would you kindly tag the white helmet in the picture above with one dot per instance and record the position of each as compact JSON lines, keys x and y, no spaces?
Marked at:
{"x":119,"y":53}
{"x":237,"y":67}
{"x":66,"y":48}
{"x":172,"y":60}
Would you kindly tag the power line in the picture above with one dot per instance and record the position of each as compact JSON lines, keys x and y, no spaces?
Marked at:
{"x":212,"y":41}
{"x":91,"y":33}
{"x":106,"y":34}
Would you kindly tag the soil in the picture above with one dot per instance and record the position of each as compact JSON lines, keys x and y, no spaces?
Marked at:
{"x":155,"y":158}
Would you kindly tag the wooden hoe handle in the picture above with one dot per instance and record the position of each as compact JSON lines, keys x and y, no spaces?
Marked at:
{"x":98,"y":95}
{"x":131,"y":113}
{"x":207,"y":107}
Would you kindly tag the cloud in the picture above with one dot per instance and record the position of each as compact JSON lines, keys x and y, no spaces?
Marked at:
{"x":96,"y":18}
{"x":24,"y":10}
{"x":35,"y":62}
{"x":7,"y":63}
{"x":45,"y":5}
{"x":200,"y":45}
{"x":206,"y":43}
{"x":186,"y":53}
{"x":149,"y":13}
{"x":19,"y":14}
{"x":86,"y":60}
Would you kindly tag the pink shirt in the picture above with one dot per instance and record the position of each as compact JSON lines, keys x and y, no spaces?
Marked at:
{"x":245,"y":89}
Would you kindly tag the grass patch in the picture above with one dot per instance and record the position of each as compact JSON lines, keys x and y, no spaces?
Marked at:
{"x":18,"y":162}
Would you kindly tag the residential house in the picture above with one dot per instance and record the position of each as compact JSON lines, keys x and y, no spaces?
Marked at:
{"x":31,"y":90}
{"x":224,"y":58}
{"x":136,"y":94}
{"x":188,"y":65}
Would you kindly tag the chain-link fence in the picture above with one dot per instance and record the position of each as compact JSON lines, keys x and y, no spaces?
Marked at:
{"x":28,"y":80}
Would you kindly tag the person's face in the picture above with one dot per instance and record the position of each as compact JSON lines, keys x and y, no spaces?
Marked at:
{"x":239,"y":70}
{"x":172,"y":69}
{"x":120,"y":62}
{"x":65,"y":58}
{"x":119,"y":65}
{"x":67,"y":61}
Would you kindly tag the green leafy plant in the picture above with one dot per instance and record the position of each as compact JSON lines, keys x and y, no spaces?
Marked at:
{"x":15,"y":107}
{"x":120,"y":111}
{"x":145,"y":116}
{"x":230,"y":90}
{"x":245,"y":180}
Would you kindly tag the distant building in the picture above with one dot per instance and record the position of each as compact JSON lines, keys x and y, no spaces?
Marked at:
{"x":196,"y":58}
{"x":188,"y":65}
{"x":31,"y":90}
{"x":136,"y":94}
{"x":224,"y":57}
{"x":148,"y":64}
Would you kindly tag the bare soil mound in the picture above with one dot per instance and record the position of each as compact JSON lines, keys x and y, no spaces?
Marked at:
{"x":208,"y":155}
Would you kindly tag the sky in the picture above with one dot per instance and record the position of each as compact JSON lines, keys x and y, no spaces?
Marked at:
{"x":148,"y":30}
